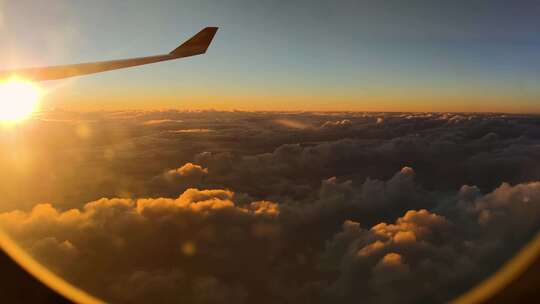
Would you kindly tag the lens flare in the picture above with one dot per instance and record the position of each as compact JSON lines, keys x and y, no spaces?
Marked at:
{"x":18,"y":100}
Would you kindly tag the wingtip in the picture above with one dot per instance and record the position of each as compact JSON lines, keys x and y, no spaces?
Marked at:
{"x":199,"y":43}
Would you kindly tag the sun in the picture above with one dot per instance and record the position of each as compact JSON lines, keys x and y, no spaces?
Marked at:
{"x":18,"y":99}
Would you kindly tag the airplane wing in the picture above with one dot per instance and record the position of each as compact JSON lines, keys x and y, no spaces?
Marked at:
{"x":196,"y":45}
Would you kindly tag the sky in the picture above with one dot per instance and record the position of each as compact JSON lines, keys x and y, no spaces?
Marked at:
{"x":295,"y":55}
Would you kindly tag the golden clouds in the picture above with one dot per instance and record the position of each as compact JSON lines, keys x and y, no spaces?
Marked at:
{"x":189,"y":170}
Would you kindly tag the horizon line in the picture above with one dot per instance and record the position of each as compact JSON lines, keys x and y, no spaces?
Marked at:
{"x":195,"y":110}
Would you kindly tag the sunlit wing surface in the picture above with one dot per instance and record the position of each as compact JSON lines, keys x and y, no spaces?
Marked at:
{"x":196,"y":45}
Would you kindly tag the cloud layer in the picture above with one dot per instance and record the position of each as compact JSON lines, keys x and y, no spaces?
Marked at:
{"x":279,"y":207}
{"x":210,"y":246}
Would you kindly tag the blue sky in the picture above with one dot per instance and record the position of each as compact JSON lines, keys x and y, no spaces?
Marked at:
{"x":324,"y":53}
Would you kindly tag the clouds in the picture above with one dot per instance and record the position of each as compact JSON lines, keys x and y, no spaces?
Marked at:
{"x":171,"y":182}
{"x":188,"y":170}
{"x":149,"y":240}
{"x":273,"y":207}
{"x":340,"y":123}
{"x":124,"y":151}
{"x":424,"y":252}
{"x":511,"y":207}
{"x":209,"y":245}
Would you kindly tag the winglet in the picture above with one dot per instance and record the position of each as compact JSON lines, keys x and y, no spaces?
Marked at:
{"x":197,"y":44}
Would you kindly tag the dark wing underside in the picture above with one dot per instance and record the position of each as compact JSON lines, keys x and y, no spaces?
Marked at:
{"x":196,"y":45}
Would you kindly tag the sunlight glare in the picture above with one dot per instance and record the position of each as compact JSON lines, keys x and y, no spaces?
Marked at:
{"x":18,"y":99}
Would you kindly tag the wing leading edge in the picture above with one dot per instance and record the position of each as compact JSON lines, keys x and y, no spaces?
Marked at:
{"x":196,"y":45}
